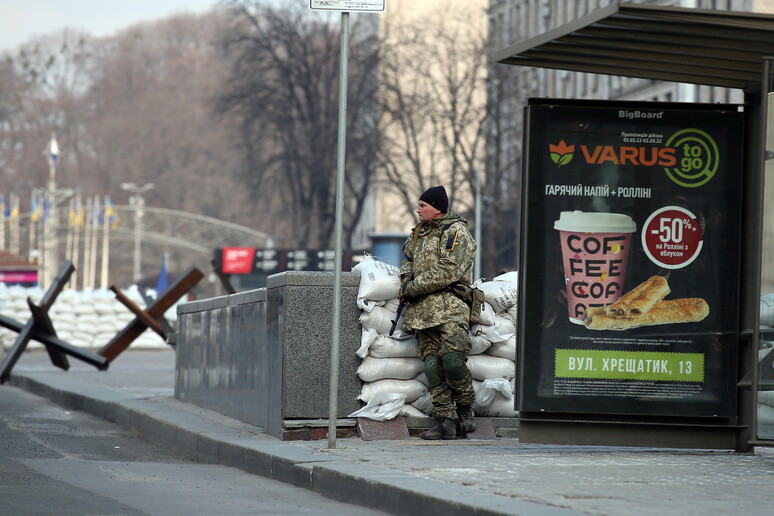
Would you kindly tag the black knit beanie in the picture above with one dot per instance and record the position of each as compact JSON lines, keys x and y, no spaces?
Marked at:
{"x":436,"y":197}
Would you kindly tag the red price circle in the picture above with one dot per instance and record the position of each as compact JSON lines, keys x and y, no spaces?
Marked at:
{"x":672,"y":237}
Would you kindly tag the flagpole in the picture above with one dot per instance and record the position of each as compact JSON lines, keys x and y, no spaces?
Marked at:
{"x":77,"y":239}
{"x":33,"y":237}
{"x":105,"y":244}
{"x":87,"y":243}
{"x":94,"y":241}
{"x":15,"y":232}
{"x":2,"y":221}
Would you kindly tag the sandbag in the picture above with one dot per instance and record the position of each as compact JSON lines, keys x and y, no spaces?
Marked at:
{"x":487,"y":390}
{"x":411,"y":411}
{"x":504,"y":349}
{"x":380,"y":319}
{"x":478,"y":343}
{"x":500,"y":294}
{"x":412,"y":389}
{"x":487,"y":316}
{"x":379,"y":281}
{"x":372,"y":369}
{"x":483,"y":367}
{"x":424,"y":403}
{"x":382,"y":406}
{"x":500,"y":407}
{"x":385,"y":346}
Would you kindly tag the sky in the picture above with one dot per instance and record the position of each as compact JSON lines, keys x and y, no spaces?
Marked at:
{"x":21,"y":20}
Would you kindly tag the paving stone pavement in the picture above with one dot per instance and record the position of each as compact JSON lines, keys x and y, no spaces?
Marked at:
{"x":592,"y":480}
{"x":481,"y":476}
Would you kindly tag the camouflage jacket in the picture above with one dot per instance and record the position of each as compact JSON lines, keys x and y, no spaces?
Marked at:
{"x":443,"y":254}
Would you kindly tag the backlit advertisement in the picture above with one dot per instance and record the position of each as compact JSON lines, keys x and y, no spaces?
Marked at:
{"x":631,"y":255}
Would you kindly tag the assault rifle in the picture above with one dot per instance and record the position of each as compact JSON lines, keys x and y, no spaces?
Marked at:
{"x":401,"y":306}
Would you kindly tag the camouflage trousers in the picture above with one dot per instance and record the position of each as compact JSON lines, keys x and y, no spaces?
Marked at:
{"x":437,"y":342}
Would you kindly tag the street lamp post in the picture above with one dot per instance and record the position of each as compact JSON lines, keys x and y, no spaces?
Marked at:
{"x":51,"y":222}
{"x":138,"y":201}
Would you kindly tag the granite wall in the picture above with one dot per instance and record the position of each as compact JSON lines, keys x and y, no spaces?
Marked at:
{"x":263,"y":356}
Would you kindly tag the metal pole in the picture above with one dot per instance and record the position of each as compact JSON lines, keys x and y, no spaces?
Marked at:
{"x":138,"y":214}
{"x":477,"y":228}
{"x":340,"y":167}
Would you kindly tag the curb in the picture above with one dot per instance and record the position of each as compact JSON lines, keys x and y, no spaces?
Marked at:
{"x":212,"y":438}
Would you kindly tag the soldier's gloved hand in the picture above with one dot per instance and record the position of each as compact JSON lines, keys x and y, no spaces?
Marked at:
{"x":405,"y":290}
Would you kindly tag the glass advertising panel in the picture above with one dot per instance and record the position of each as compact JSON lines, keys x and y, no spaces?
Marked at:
{"x":629,"y":298}
{"x":765,"y":383}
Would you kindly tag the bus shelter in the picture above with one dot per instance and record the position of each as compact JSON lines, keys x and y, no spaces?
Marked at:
{"x":724,"y":372}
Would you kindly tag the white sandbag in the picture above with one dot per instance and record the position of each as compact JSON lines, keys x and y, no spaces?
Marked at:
{"x":385,"y":346}
{"x":382,"y":406}
{"x":86,"y":328}
{"x":502,"y":330}
{"x":411,"y":411}
{"x":478,"y":342}
{"x":367,"y":338}
{"x":504,"y":349}
{"x":412,"y":389}
{"x":15,"y":292}
{"x":379,"y":281}
{"x":500,"y":294}
{"x":60,"y":325}
{"x":510,"y":276}
{"x":483,"y":367}
{"x":487,"y":390}
{"x":87,"y":318}
{"x":424,"y":403}
{"x":107,"y":326}
{"x":58,"y":317}
{"x":149,"y":340}
{"x":368,"y":304}
{"x":513,"y":314}
{"x":487,"y":317}
{"x":372,"y":369}
{"x":380,"y":319}
{"x":422,"y":377}
{"x":500,"y":407}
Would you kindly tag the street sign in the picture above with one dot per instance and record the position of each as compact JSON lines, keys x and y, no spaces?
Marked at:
{"x":363,"y":6}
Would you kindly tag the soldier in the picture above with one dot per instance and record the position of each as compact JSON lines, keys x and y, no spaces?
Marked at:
{"x":436,"y":274}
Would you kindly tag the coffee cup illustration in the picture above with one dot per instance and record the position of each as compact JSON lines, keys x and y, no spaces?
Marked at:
{"x":595,"y":252}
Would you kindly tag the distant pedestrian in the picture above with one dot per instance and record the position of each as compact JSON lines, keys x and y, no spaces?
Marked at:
{"x":436,"y":275}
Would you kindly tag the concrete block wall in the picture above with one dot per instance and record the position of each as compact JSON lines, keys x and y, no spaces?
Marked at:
{"x":263,"y":356}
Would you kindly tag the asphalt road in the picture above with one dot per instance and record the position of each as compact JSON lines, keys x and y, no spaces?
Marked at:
{"x":55,"y":461}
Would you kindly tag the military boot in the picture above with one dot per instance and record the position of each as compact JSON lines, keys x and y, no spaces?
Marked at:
{"x":444,"y":429}
{"x":465,"y":413}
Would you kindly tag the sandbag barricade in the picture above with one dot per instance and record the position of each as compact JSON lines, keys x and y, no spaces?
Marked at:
{"x":391,"y":364}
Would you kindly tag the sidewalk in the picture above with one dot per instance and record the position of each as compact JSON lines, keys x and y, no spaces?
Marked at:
{"x":414,"y":476}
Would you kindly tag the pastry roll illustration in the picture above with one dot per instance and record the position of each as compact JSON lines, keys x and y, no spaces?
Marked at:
{"x":663,"y":312}
{"x":641,"y":299}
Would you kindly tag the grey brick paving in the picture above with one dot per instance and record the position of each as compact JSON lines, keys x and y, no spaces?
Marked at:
{"x":594,"y":480}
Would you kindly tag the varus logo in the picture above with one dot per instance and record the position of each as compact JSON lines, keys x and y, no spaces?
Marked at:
{"x":690,"y":157}
{"x":561,"y":154}
{"x":645,"y":156}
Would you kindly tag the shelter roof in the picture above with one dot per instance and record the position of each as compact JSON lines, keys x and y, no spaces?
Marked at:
{"x":700,"y":46}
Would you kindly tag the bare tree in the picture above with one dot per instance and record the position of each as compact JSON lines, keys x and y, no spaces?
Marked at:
{"x":283,"y":90}
{"x":502,"y":190}
{"x":434,"y":106}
